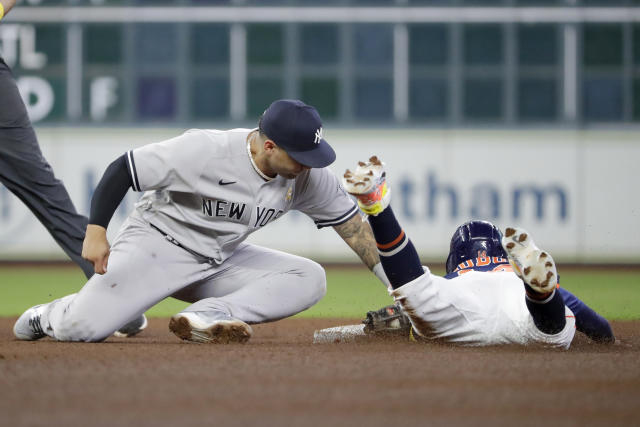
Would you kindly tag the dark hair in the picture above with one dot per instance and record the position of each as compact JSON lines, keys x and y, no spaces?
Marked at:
{"x":260,"y":131}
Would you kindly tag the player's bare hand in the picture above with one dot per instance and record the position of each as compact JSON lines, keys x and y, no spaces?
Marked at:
{"x":95,"y":248}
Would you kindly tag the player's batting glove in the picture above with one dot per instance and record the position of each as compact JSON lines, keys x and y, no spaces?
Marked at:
{"x":388,"y":320}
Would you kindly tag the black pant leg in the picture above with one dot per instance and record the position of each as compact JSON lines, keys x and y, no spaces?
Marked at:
{"x":27,"y":174}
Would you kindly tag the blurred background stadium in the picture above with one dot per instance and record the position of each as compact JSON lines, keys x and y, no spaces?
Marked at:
{"x":516,"y":111}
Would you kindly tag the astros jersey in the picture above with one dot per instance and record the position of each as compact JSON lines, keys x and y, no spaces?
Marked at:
{"x":203,"y":190}
{"x":476,"y":305}
{"x":482,"y":263}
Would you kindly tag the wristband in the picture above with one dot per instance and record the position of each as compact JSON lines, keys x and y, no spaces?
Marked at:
{"x":1,"y":11}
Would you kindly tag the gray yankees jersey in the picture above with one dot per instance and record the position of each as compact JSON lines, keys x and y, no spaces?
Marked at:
{"x":202,"y":189}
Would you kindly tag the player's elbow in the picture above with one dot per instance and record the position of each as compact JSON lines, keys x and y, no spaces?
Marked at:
{"x":603,"y":336}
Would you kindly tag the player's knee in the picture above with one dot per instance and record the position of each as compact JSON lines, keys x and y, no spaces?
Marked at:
{"x":315,"y":281}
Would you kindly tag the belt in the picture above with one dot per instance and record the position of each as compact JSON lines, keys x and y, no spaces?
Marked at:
{"x":181,"y":246}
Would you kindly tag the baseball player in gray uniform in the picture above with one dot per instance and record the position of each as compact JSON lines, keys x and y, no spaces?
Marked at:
{"x":28,"y":175}
{"x":205,"y":192}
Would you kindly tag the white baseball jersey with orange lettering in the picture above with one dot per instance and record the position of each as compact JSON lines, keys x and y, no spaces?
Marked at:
{"x":476,"y":308}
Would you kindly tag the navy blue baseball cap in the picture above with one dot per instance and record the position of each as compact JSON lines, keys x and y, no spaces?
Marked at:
{"x":297,"y":128}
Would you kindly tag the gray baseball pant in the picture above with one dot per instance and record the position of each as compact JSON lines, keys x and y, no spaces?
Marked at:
{"x":255,"y":285}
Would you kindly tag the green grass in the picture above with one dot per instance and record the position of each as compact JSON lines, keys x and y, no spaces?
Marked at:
{"x":351,"y":292}
{"x":613,"y":294}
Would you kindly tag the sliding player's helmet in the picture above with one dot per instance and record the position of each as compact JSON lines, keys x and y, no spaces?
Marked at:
{"x":473,"y":239}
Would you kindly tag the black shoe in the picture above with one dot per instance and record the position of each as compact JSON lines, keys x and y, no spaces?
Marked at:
{"x":132,"y":328}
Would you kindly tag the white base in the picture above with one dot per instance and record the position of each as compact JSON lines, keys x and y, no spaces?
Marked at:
{"x":337,"y":334}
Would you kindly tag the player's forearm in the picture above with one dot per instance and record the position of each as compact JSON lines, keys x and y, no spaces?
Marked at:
{"x":110,"y":191}
{"x":358,"y":235}
{"x":6,"y":6}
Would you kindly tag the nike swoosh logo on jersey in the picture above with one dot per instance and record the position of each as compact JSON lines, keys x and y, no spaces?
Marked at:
{"x":223,"y":182}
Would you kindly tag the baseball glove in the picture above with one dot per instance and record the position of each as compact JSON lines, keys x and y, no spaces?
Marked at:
{"x":389,"y":320}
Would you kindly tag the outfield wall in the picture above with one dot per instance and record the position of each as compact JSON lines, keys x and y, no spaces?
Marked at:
{"x":576,"y":191}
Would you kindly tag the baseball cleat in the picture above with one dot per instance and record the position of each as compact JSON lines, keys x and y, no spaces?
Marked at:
{"x":534,"y":266}
{"x":132,"y":328}
{"x":210,"y":327}
{"x":28,"y":326}
{"x":368,"y":184}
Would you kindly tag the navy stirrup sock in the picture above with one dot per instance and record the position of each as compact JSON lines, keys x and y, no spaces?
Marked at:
{"x":549,"y":314}
{"x":398,"y":256}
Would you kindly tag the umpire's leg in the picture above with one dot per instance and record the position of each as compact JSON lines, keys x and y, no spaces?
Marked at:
{"x":26,"y":173}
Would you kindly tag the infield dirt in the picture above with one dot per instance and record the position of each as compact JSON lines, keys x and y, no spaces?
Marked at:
{"x":280,"y":378}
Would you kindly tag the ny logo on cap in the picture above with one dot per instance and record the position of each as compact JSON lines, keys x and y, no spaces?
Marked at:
{"x":318,"y":136}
